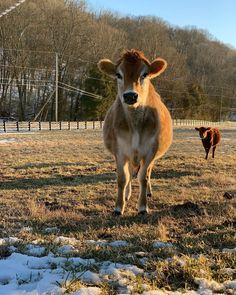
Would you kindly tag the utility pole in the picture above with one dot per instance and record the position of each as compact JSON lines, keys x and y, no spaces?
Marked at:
{"x":56,"y":89}
{"x":221,"y":97}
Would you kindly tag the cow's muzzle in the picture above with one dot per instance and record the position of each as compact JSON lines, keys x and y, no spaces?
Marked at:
{"x":130,"y":97}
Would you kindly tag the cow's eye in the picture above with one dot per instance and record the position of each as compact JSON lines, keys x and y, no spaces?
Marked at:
{"x":144,"y":75}
{"x":118,"y":76}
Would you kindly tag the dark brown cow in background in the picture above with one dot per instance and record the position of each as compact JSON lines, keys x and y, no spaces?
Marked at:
{"x":210,"y":138}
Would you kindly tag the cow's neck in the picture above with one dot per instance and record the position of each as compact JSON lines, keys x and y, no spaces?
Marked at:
{"x":134,"y":116}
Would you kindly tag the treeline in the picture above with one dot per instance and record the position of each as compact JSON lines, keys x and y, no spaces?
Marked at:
{"x":199,"y":82}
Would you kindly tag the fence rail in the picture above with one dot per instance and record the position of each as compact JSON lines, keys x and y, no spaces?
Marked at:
{"x":16,"y":126}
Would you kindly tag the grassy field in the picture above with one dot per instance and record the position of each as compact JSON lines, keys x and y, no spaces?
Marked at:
{"x":68,"y":180}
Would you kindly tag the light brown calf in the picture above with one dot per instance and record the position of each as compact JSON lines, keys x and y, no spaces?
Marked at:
{"x":138,"y":127}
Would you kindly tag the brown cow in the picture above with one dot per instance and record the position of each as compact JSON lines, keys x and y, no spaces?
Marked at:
{"x":210,"y":138}
{"x":138,"y":127}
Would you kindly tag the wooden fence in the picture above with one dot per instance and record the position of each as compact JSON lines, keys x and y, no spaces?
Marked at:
{"x":15,"y":126}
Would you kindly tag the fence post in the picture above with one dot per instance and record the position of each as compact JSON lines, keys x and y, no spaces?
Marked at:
{"x":77,"y":125}
{"x":39,"y":125}
{"x":93,"y":125}
{"x":4,"y":126}
{"x":29,"y":125}
{"x":85,"y":124}
{"x":17,"y":126}
{"x":60,"y":125}
{"x":50,"y":125}
{"x":68,"y":125}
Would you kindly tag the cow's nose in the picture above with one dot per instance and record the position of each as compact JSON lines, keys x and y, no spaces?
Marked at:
{"x":130,"y":97}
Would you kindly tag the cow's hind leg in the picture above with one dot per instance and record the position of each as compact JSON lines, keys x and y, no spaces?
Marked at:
{"x":123,"y":177}
{"x":213,"y":151}
{"x":149,"y":186}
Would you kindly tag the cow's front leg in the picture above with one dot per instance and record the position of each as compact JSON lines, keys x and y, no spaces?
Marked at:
{"x":143,"y":177}
{"x":123,"y":178}
{"x":207,"y":152}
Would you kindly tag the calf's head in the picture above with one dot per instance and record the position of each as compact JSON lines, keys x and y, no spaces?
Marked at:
{"x":203,"y":131}
{"x":133,"y":72}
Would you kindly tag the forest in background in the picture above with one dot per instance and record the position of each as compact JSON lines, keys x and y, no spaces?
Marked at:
{"x":199,"y":82}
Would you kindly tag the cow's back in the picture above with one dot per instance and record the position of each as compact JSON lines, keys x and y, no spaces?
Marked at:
{"x":216,"y":136}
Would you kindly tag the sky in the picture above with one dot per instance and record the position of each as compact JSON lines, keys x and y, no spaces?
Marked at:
{"x":218,"y":17}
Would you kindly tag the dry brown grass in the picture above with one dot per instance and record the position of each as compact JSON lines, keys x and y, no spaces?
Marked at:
{"x":68,"y":180}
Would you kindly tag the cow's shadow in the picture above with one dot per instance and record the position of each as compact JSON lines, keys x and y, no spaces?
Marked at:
{"x":58,"y":180}
{"x":171,"y":173}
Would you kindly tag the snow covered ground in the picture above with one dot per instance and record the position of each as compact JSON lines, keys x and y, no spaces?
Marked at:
{"x":6,"y":141}
{"x":35,"y":271}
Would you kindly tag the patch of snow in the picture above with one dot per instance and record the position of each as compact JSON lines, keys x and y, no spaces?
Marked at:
{"x":230,"y":284}
{"x":18,"y":278}
{"x":80,"y":261}
{"x":90,"y":277}
{"x":38,"y":241}
{"x":117,"y":271}
{"x":207,"y":285}
{"x":143,"y":260}
{"x":51,"y":230}
{"x":11,"y":241}
{"x":35,"y":250}
{"x":229,"y":271}
{"x":12,"y":249}
{"x":9,"y":140}
{"x":88,"y":291}
{"x":118,"y":243}
{"x":161,"y":292}
{"x":97,"y":243}
{"x":159,"y":245}
{"x":27,"y":229}
{"x":21,"y":274}
{"x":66,"y":249}
{"x":226,"y":250}
{"x":65,"y":240}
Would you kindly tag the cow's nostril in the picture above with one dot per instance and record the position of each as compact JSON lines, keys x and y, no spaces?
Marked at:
{"x":130,"y":97}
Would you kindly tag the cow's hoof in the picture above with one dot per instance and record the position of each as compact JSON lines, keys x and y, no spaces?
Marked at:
{"x":116,"y":213}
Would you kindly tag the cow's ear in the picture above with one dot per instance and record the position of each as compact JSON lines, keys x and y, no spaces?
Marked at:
{"x":106,"y":66}
{"x":196,"y":128}
{"x":208,"y":128}
{"x":157,"y":67}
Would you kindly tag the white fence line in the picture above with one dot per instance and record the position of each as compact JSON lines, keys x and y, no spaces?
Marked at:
{"x":16,"y":126}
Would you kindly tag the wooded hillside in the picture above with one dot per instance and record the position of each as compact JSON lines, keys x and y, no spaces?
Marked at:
{"x":199,"y":82}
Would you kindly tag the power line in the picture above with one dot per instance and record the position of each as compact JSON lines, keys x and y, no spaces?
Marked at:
{"x":16,"y":84}
{"x":27,"y":50}
{"x":74,"y":58}
{"x":27,"y":80}
{"x":105,"y":80}
{"x":27,"y":68}
{"x":18,"y":3}
{"x":71,"y":88}
{"x":81,"y":90}
{"x":77,"y":91}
